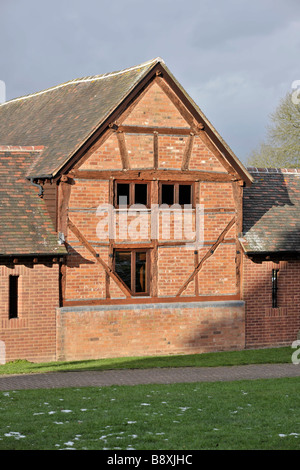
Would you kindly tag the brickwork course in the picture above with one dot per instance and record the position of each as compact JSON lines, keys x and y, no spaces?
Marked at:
{"x":76,"y":286}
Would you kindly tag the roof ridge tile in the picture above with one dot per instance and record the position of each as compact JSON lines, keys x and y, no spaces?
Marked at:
{"x":21,"y":148}
{"x":273,"y":170}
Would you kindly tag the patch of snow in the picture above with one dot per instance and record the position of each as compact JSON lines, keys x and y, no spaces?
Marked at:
{"x":16,"y":435}
{"x":69,"y":443}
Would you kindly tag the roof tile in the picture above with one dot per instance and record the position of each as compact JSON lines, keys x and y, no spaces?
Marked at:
{"x":25,"y":225}
{"x":271,"y":209}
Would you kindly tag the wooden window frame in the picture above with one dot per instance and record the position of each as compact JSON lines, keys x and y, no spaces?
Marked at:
{"x":131,"y":184}
{"x":133,"y":252}
{"x":176,"y":185}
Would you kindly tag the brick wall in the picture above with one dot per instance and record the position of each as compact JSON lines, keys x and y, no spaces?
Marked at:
{"x":149,"y":329}
{"x":267,"y":326}
{"x":32,"y":335}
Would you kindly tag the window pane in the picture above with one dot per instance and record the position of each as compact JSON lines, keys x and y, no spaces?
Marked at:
{"x":140,"y":272}
{"x":123,"y":266}
{"x":122,"y":194}
{"x":140,"y":194}
{"x":167,"y":194}
{"x":185,"y":194}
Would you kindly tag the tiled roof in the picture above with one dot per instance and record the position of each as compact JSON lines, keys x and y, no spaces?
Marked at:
{"x":63,"y":117}
{"x":25,"y":226}
{"x":57,"y":122}
{"x":271,"y":220}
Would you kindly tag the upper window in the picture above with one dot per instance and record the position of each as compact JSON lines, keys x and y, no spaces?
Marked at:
{"x":130,"y":193}
{"x":132,"y":267}
{"x":176,"y":193}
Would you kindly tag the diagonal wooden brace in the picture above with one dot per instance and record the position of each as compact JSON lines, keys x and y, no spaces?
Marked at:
{"x":107,"y":269}
{"x":209,"y":253}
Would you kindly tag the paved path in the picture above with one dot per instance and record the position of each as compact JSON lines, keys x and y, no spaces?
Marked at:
{"x":147,"y":376}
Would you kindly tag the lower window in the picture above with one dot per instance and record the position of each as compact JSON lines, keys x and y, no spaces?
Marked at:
{"x":13,"y":296}
{"x":132,"y":267}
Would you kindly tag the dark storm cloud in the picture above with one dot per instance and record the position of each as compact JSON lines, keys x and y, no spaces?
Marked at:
{"x":235,"y":58}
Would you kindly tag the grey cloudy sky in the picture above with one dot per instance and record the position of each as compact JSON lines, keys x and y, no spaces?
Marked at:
{"x":235,"y":58}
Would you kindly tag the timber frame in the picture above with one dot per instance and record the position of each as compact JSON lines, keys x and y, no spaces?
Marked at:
{"x":188,"y":109}
{"x":197,"y":126}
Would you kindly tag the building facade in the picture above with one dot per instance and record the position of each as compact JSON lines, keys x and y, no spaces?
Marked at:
{"x":127,"y":228}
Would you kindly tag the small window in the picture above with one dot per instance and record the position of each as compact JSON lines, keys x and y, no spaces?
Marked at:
{"x":123,"y":266}
{"x":185,"y":194}
{"x":123,"y":194}
{"x":141,"y":193}
{"x":168,"y":194}
{"x":176,"y":193}
{"x":13,"y":296}
{"x":128,"y":194}
{"x":274,"y":287}
{"x":132,"y":268}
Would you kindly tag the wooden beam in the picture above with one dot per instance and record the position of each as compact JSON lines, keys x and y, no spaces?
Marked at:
{"x":187,"y":152}
{"x":229,"y":241}
{"x":155,"y":150}
{"x":216,"y":152}
{"x":237,"y":192}
{"x":196,"y":127}
{"x":123,"y":150}
{"x":120,"y":111}
{"x":209,"y":253}
{"x":178,"y":104}
{"x":62,"y":283}
{"x":111,"y":237}
{"x":151,"y":300}
{"x":161,"y":174}
{"x":209,"y":130}
{"x":196,"y":262}
{"x":152,"y":129}
{"x":99,"y":260}
{"x":64,"y":193}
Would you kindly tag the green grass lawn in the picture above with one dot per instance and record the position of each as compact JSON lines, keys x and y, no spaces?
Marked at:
{"x":259,"y":356}
{"x":258,"y":414}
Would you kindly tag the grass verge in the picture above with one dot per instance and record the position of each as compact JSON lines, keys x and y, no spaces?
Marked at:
{"x":257,"y":356}
{"x":258,"y":414}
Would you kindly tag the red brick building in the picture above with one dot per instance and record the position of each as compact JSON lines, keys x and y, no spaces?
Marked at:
{"x":128,"y":227}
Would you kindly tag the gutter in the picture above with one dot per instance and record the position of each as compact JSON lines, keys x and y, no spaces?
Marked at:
{"x":41,"y":190}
